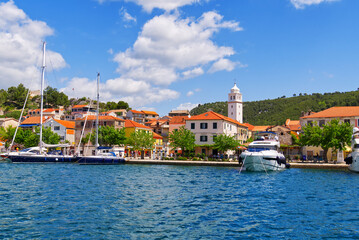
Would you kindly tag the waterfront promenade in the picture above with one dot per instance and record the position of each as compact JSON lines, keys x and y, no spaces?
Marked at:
{"x":339,"y":166}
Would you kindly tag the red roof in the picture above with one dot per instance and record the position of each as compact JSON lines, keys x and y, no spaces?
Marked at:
{"x":250,"y":126}
{"x":33,"y":120}
{"x":336,"y":112}
{"x":102,"y":118}
{"x":133,"y":124}
{"x":135,"y":111}
{"x":157,"y":136}
{"x":149,"y":112}
{"x":215,"y":116}
{"x":66,"y":124}
{"x":260,"y":128}
{"x":178,"y":120}
{"x":79,"y":106}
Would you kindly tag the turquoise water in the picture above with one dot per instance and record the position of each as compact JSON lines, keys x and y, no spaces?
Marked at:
{"x":65,"y":201}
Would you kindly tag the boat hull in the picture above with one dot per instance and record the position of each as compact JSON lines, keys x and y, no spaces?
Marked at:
{"x":260,"y":163}
{"x":41,"y":159}
{"x":100,"y":160}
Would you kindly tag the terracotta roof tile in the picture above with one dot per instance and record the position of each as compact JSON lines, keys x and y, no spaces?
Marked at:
{"x":101,"y":118}
{"x":133,"y":124}
{"x":157,"y":136}
{"x":67,"y":124}
{"x":260,"y":128}
{"x":79,"y":106}
{"x":250,"y":126}
{"x":33,"y":120}
{"x":336,"y":112}
{"x":149,"y":112}
{"x":135,"y":111}
{"x":178,"y":120}
{"x":215,"y":116}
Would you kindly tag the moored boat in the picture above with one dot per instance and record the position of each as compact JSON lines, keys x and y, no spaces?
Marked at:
{"x":263,"y":154}
{"x":100,"y":157}
{"x":353,"y":157}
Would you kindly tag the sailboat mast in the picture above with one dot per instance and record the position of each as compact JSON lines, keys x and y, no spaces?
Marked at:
{"x":42,"y":91}
{"x":97,"y":110}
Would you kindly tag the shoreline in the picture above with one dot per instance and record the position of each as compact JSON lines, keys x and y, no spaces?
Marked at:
{"x":338,"y":166}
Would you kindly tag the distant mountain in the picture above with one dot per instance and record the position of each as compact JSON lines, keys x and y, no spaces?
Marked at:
{"x":276,"y":111}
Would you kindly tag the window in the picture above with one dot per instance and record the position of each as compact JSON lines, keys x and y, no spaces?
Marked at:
{"x":57,"y":128}
{"x":321,"y":123}
{"x":203,"y":138}
{"x":310,"y":123}
{"x":347,"y":121}
{"x":214,"y":125}
{"x":214,"y":137}
{"x":104,"y":123}
{"x":204,"y":125}
{"x":193,"y":125}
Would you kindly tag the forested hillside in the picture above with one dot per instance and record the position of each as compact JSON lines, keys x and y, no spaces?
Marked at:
{"x":276,"y":111}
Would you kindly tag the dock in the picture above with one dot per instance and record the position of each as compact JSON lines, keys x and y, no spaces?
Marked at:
{"x":339,"y":166}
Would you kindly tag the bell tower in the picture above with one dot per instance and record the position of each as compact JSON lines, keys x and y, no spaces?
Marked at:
{"x":235,"y":104}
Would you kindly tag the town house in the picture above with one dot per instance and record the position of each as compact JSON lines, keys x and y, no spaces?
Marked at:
{"x":208,"y":125}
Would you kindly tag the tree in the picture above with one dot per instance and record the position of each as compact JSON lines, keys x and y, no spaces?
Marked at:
{"x":141,"y":140}
{"x":16,"y":95}
{"x":109,"y":136}
{"x":333,"y":135}
{"x":53,"y":98}
{"x":225,"y":142}
{"x":7,"y":134}
{"x":49,"y":136}
{"x":182,"y":138}
{"x":122,"y":105}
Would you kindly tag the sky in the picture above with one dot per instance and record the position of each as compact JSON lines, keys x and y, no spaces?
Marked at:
{"x":163,"y":55}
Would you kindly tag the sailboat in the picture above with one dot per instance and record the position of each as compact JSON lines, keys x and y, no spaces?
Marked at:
{"x":99,"y":158}
{"x":38,"y":154}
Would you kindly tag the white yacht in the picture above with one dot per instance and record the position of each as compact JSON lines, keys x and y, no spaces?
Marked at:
{"x":263,"y":154}
{"x":353,"y":158}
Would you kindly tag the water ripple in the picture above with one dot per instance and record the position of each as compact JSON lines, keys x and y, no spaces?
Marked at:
{"x":67,"y":201}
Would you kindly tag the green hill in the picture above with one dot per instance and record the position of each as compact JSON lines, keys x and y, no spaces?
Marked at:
{"x":276,"y":111}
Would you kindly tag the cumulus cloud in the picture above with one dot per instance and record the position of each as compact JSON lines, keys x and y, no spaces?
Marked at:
{"x":136,"y":93}
{"x":168,"y":46}
{"x":190,"y":93}
{"x":222,"y":64}
{"x":187,"y":106}
{"x":192,"y":73}
{"x":300,"y":4}
{"x":20,"y":47}
{"x":167,"y":5}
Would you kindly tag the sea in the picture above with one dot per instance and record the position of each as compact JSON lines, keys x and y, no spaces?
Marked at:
{"x":69,"y":201}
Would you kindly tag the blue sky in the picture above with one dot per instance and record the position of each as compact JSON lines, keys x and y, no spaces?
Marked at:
{"x":170,"y":54}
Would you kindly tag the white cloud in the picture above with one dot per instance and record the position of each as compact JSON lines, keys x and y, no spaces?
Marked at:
{"x":187,"y":106}
{"x":126,"y":16}
{"x":193,"y":73}
{"x":190,"y":93}
{"x":149,"y":5}
{"x":136,"y":93}
{"x":20,"y":48}
{"x":168,"y":45}
{"x":222,"y":64}
{"x":300,"y":4}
